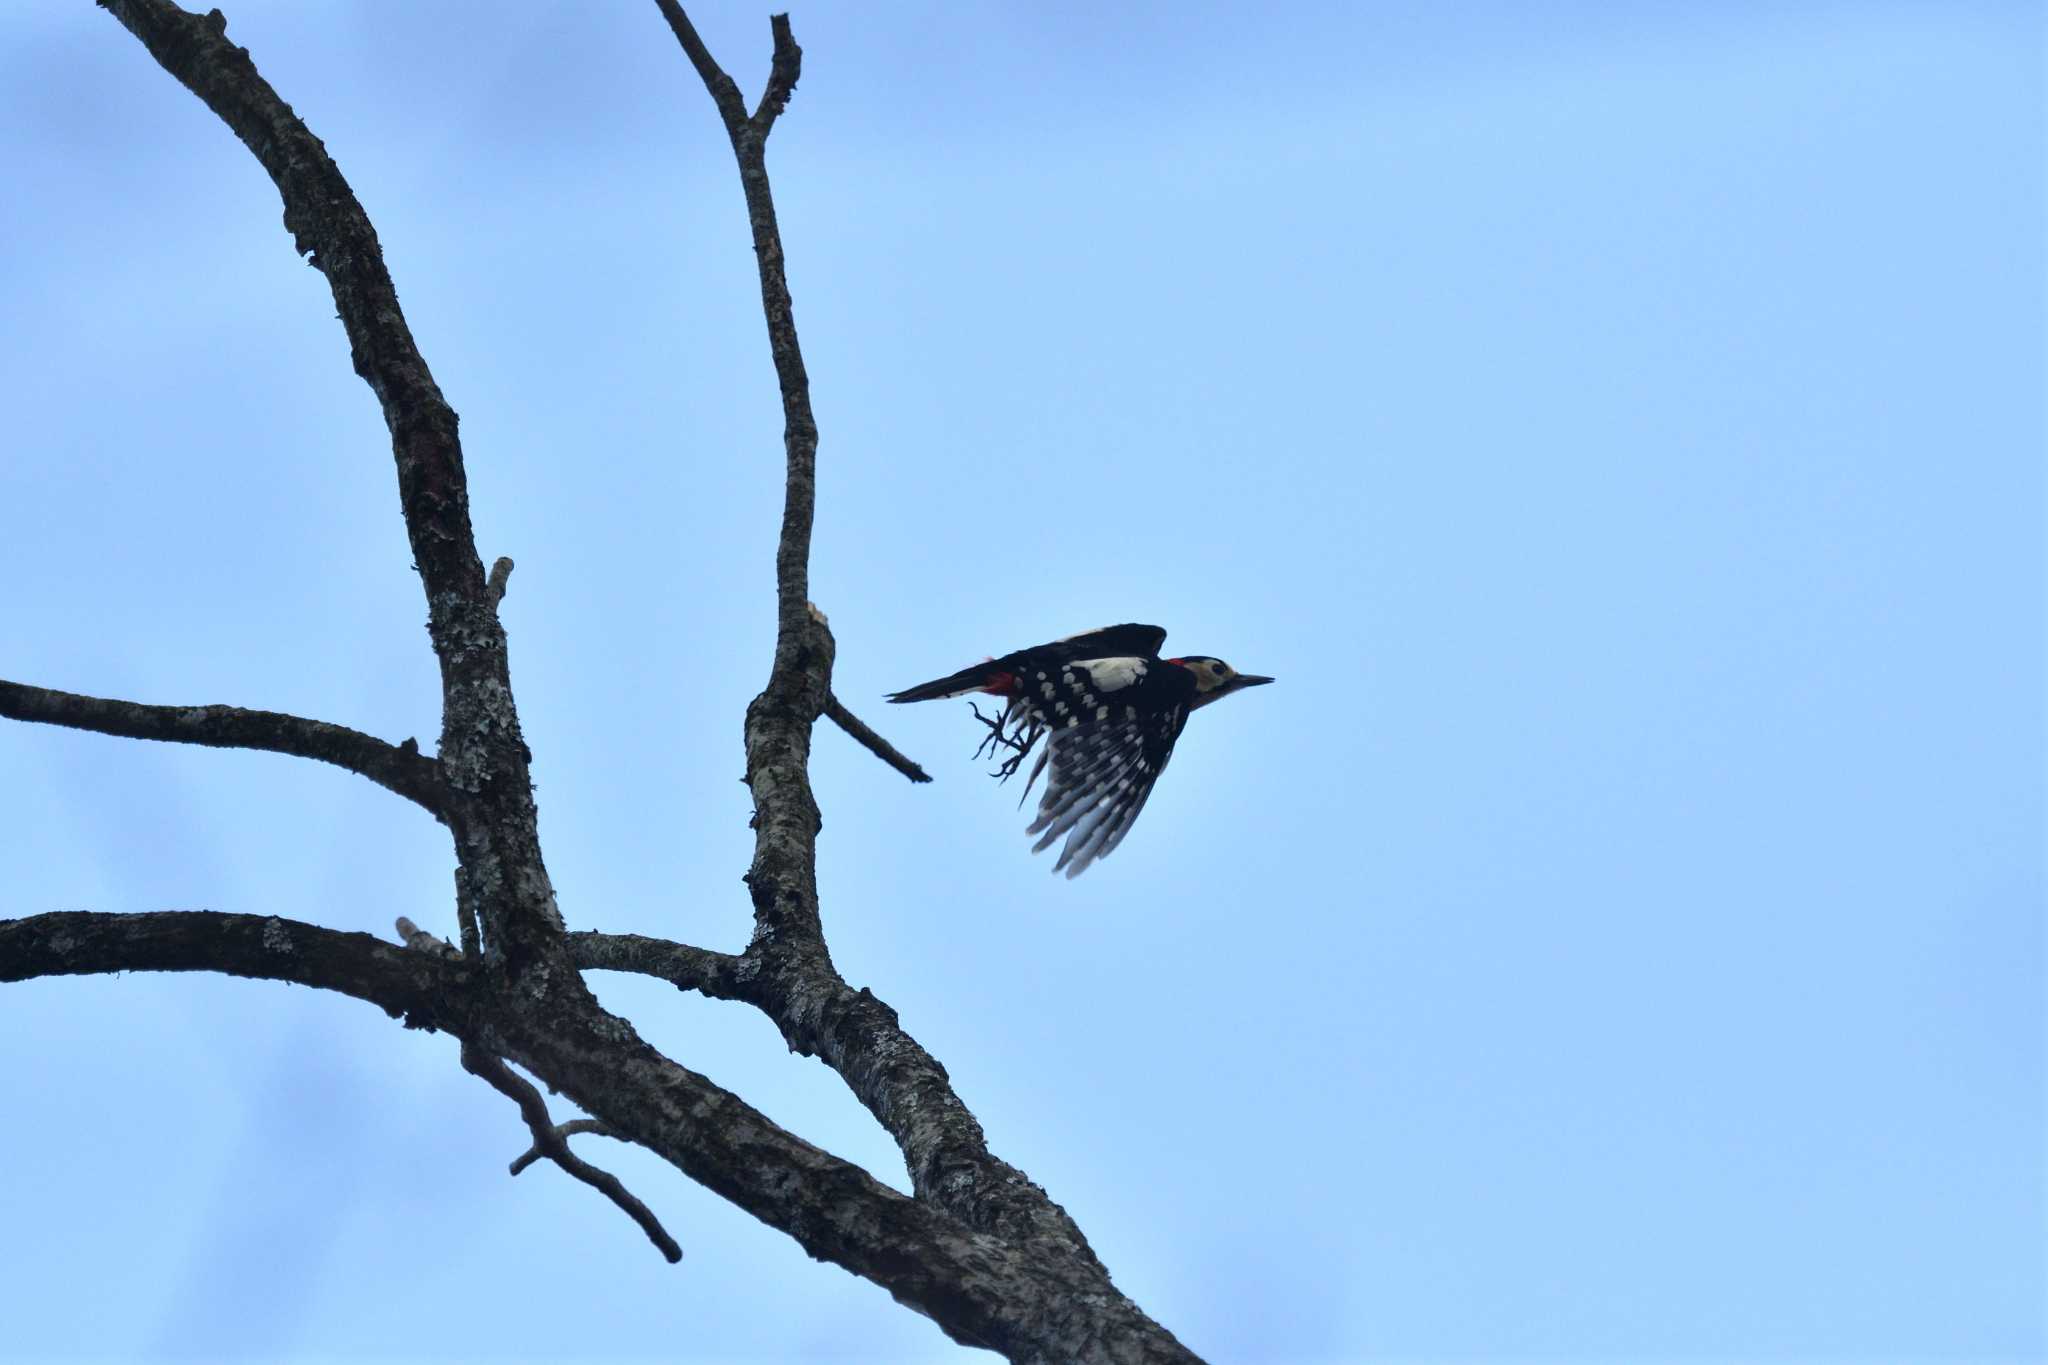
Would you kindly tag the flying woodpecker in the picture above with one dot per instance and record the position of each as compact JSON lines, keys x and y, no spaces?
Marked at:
{"x":1111,"y":709}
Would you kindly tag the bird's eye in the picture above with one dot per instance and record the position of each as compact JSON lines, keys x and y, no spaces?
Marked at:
{"x":1217,"y":668}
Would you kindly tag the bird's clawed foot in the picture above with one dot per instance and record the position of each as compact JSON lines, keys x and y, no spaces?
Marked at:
{"x":1014,"y":728}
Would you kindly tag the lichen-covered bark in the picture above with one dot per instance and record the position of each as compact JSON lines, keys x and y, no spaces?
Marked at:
{"x":425,"y":992}
{"x":395,"y":767}
{"x":783,"y":878}
{"x":484,"y":763}
{"x":982,"y":1289}
{"x":787,"y":970}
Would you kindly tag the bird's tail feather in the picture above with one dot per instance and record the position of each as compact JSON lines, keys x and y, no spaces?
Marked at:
{"x":959,"y":684}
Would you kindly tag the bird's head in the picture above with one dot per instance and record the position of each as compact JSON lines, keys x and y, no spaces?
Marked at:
{"x":1214,"y":679}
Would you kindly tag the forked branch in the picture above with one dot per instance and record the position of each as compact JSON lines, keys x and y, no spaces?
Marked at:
{"x":549,"y":1139}
{"x":979,"y":1249}
{"x":787,"y":970}
{"x":566,"y":1130}
{"x":553,"y":1143}
{"x":488,"y":804}
{"x":749,"y":137}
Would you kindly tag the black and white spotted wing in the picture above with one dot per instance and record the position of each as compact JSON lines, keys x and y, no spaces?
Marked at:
{"x":1111,"y":725}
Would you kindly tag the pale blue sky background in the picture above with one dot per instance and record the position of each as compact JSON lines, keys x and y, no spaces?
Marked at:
{"x":1619,"y":427}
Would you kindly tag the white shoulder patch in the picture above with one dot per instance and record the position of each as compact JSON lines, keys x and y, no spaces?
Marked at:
{"x":1112,"y":675}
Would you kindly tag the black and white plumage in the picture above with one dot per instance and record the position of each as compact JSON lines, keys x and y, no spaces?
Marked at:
{"x":1109,"y":708}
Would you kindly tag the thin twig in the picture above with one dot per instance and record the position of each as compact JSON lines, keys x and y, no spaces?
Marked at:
{"x":724,"y":93}
{"x":564,"y":1130}
{"x":550,"y":1141}
{"x":501,"y":574}
{"x":874,"y":743}
{"x":393,"y":767}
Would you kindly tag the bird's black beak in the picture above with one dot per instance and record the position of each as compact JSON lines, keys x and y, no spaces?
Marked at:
{"x":1238,"y":683}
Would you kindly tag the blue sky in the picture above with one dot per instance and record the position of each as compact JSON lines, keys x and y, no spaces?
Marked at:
{"x":1620,"y":428}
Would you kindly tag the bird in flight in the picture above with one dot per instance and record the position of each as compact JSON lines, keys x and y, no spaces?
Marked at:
{"x":1110,"y":710}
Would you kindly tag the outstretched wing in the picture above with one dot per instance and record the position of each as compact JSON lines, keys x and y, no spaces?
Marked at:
{"x":997,"y":675}
{"x":1101,"y":773}
{"x":1143,"y":641}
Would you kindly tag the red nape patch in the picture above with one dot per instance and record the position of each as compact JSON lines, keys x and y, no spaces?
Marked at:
{"x":1001,"y":684}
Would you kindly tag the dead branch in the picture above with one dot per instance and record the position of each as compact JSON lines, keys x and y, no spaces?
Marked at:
{"x":716,"y":975}
{"x":790,"y":975}
{"x":979,"y":1249}
{"x":872,"y":742}
{"x":394,"y":767}
{"x":419,"y":989}
{"x":489,"y":801}
{"x":551,"y":1143}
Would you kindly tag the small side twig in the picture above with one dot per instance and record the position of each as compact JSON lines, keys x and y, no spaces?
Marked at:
{"x":549,"y":1141}
{"x":874,"y":743}
{"x":565,"y":1130}
{"x":501,"y":573}
{"x":420,"y":941}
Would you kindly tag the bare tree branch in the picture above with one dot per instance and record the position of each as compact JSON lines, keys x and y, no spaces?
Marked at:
{"x":716,"y":975}
{"x":749,"y":137}
{"x":550,"y":1142}
{"x":859,"y":1036}
{"x":789,"y":972}
{"x":395,"y":767}
{"x":980,"y":1288}
{"x":489,"y":801}
{"x":783,"y":70}
{"x":425,"y":991}
{"x":724,"y":92}
{"x":872,"y":742}
{"x":792,"y":976}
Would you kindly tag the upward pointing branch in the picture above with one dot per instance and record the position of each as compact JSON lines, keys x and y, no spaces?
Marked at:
{"x":749,"y":135}
{"x":489,"y":805}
